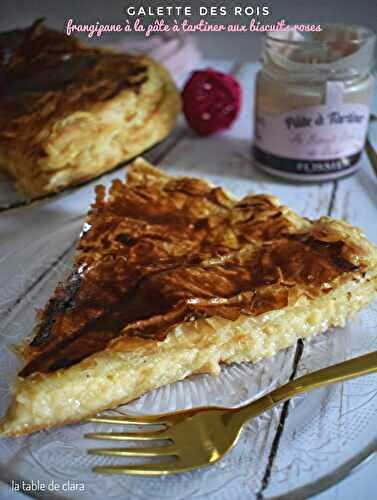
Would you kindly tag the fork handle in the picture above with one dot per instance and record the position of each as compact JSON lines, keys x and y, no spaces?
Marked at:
{"x":347,"y":370}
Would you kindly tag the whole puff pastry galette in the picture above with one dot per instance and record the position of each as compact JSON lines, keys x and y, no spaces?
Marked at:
{"x":69,"y":112}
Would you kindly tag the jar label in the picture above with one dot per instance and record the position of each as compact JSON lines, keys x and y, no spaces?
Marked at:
{"x":313,"y":140}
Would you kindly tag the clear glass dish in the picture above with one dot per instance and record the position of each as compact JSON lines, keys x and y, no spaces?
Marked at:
{"x":325,"y":431}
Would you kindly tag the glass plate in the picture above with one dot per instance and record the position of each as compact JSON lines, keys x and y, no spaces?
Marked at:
{"x":325,"y":430}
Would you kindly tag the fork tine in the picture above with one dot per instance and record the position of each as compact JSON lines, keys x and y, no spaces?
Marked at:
{"x":157,"y":469}
{"x":127,"y":419}
{"x":127,"y":436}
{"x":150,"y":451}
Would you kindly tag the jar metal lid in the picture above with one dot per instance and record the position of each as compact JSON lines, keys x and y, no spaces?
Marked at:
{"x":338,"y":51}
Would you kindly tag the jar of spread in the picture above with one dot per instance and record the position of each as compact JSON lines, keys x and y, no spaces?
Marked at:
{"x":312,"y":102}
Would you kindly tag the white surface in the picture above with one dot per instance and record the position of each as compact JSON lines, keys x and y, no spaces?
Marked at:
{"x":360,"y":485}
{"x":224,"y":159}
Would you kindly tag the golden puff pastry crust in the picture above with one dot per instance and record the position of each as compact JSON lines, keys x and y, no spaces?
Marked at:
{"x":70,"y":112}
{"x":174,"y":276}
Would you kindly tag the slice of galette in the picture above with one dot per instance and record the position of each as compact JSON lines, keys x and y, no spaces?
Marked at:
{"x":174,"y":277}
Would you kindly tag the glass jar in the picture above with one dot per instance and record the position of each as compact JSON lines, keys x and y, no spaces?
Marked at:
{"x":312,"y":102}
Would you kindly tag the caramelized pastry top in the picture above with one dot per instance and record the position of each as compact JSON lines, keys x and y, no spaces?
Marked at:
{"x":46,"y":75}
{"x":160,"y":251}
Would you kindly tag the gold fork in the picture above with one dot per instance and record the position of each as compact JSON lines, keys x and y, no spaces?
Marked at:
{"x":201,"y":436}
